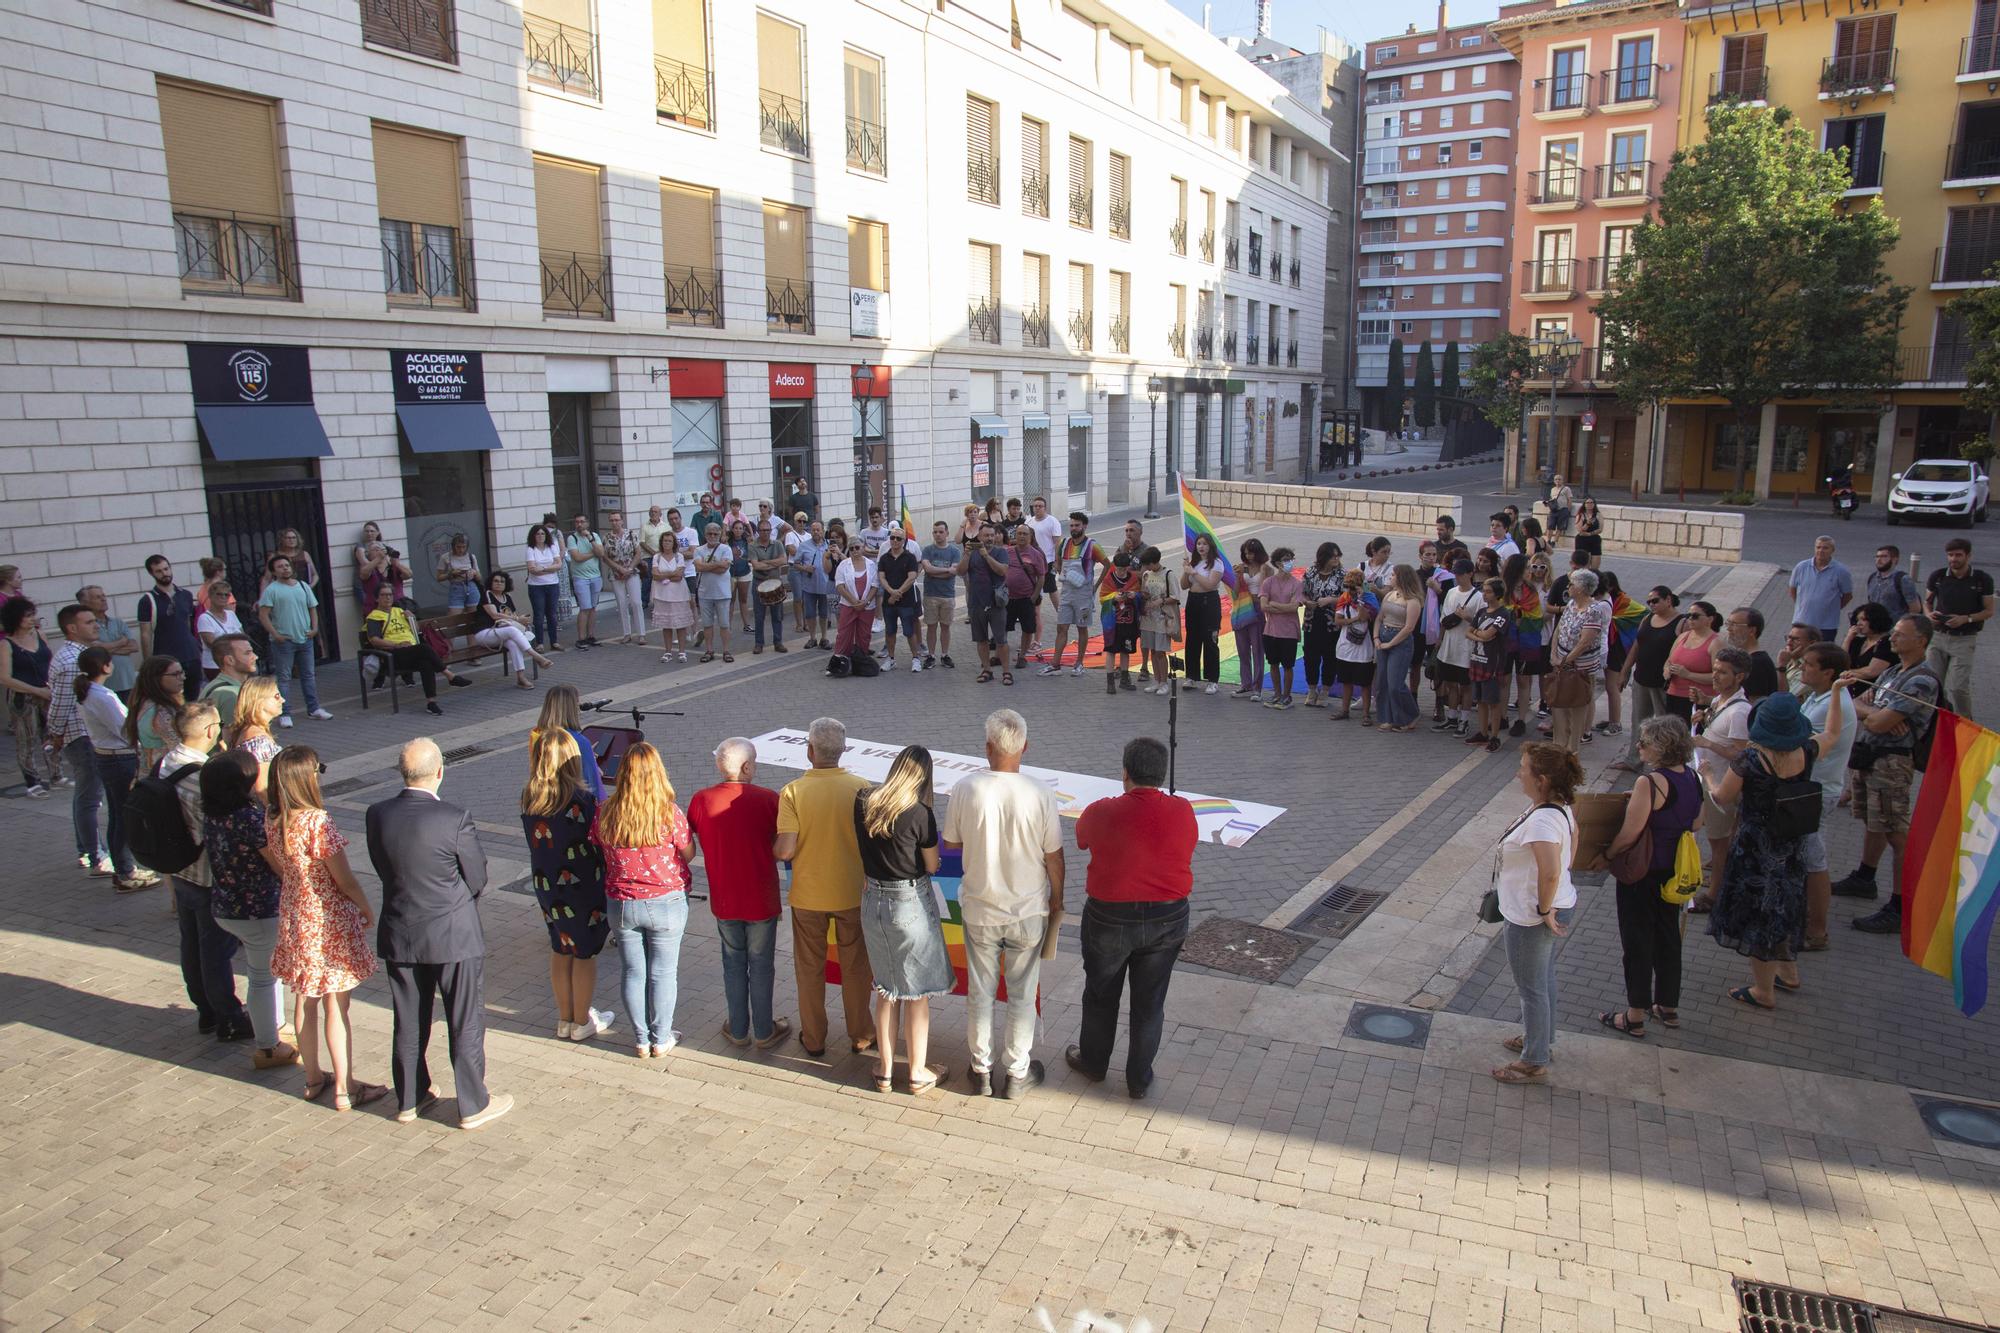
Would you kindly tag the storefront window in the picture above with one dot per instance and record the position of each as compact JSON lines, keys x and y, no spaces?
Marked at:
{"x":1722,"y":455}
{"x":1850,"y":446}
{"x":1794,"y":446}
{"x":443,"y":495}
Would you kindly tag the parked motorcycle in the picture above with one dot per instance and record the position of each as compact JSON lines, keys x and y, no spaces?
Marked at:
{"x":1841,"y":487}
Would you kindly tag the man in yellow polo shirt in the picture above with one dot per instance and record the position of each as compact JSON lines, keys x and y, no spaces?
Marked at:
{"x":816,"y":834}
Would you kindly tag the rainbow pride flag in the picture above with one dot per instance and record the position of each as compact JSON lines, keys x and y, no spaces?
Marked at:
{"x":950,"y":871}
{"x":1195,"y":524}
{"x":1528,"y":619}
{"x":903,"y":512}
{"x":1625,"y":617}
{"x":1951,"y":879}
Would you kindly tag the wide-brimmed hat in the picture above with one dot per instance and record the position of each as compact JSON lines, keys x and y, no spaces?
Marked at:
{"x":1780,"y":724}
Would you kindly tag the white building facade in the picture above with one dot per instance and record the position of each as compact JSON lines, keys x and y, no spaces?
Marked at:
{"x":445,"y":266}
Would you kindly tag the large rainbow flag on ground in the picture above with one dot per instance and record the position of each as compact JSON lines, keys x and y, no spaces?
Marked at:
{"x":1951,"y":877}
{"x":950,"y":871}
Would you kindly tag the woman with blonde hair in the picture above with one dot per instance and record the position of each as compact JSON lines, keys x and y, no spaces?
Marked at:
{"x":897,"y":829}
{"x":256,"y":705}
{"x":557,"y":810}
{"x":561,"y":710}
{"x":645,"y":840}
{"x":1397,"y":624}
{"x":322,"y":952}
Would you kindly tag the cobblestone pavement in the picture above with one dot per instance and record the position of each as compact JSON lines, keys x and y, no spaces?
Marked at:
{"x":1282,"y":1176}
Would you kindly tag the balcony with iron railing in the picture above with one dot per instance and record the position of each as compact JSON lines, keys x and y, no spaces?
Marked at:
{"x":1294,"y":273}
{"x":1229,"y":252}
{"x":694,"y":297}
{"x":1205,"y":245}
{"x":1120,"y":333}
{"x":1082,"y":206}
{"x":683,"y":93}
{"x":420,"y":27}
{"x":1548,"y":279}
{"x":1861,"y":75}
{"x":867,"y":146}
{"x":1965,"y":264}
{"x":1751,"y":84}
{"x":1292,"y":354}
{"x":1605,"y":271}
{"x":1378,"y":233}
{"x":1371,"y":340}
{"x":1082,"y":328}
{"x":1177,"y":236}
{"x":1256,"y":255}
{"x":1628,"y":88}
{"x":1979,"y":54}
{"x":1596,"y":365}
{"x":236,"y":254}
{"x":1379,"y":268}
{"x":1035,"y":326}
{"x":1204,"y":342}
{"x":1274,"y":264}
{"x":1229,"y":341}
{"x":982,"y":319}
{"x":425,"y":265}
{"x":561,"y":57}
{"x":1562,"y":96}
{"x":1177,"y":340}
{"x":788,"y":306}
{"x":576,"y":285}
{"x":1034,"y":193}
{"x":1559,"y":188}
{"x":1383,"y":97}
{"x":1623,"y":182}
{"x":781,"y":123}
{"x":1272,"y":352}
{"x":1375,"y":305}
{"x":1251,"y":349}
{"x":1387,"y":163}
{"x":1119,"y":217}
{"x":1380,"y":203}
{"x":982,"y":177}
{"x":1942,"y":365}
{"x":1972,"y":160}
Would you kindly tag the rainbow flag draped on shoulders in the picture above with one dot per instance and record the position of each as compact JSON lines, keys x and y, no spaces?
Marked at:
{"x":1528,"y":619}
{"x":1951,"y":879}
{"x":1625,"y":617}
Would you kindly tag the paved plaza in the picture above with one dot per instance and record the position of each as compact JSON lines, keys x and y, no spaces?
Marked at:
{"x":1285,"y":1174}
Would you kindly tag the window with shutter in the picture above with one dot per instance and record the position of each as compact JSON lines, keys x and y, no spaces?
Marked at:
{"x":868,"y":255}
{"x":867,"y":138}
{"x":1082,"y":318}
{"x":417,"y":205}
{"x":1079,"y":287}
{"x":781,"y":86}
{"x":228,"y":225}
{"x":1971,"y":244}
{"x":561,"y":43}
{"x":687,"y":238}
{"x":1121,"y":196}
{"x":1082,"y":204}
{"x":422,"y":27}
{"x":576,"y":277}
{"x":982,"y":157}
{"x":788,"y":295}
{"x":982,"y":293}
{"x":1034,"y":168}
{"x":1863,"y":53}
{"x":1034,"y":300}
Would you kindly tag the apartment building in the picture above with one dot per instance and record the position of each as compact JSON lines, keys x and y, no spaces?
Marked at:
{"x":447,"y":264}
{"x":1597,"y":124}
{"x":1437,"y":177}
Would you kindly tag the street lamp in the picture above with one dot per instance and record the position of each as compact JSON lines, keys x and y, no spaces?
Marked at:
{"x":1554,"y":353}
{"x":864,"y":388}
{"x":1154,"y":387}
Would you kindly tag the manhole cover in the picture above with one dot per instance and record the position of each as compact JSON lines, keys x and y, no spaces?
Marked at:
{"x":1766,"y":1308}
{"x":1244,"y":950}
{"x":1340,"y":911}
{"x":1396,"y":1027}
{"x":1962,"y":1122}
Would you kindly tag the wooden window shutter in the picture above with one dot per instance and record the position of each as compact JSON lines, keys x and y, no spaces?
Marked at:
{"x":566,"y":198}
{"x":784,"y":242}
{"x":416,"y":177}
{"x":979,"y":277}
{"x":1121,"y":293}
{"x":570,"y":13}
{"x":1079,"y":287}
{"x":193,"y":122}
{"x":978,"y":127}
{"x":687,"y":225}
{"x":680,"y":31}
{"x":778,"y":58}
{"x":1034,"y":146}
{"x":1121,"y":179}
{"x":1034,"y":281}
{"x":1079,"y":162}
{"x":867,"y":255}
{"x":863,"y":75}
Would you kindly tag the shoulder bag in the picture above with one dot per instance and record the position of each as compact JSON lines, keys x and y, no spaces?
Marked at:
{"x":1489,"y":902}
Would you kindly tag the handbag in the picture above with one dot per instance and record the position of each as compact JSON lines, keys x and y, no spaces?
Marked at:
{"x":1567,"y":688}
{"x":1489,"y":902}
{"x":435,"y":641}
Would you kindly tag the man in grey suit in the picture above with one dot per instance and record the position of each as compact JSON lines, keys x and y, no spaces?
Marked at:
{"x":432,"y":870}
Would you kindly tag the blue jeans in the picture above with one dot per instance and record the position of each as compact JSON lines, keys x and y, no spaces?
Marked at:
{"x":206,"y":949}
{"x":1139,"y":941}
{"x":1395,"y":706}
{"x":748,"y":950}
{"x":259,"y":936}
{"x":1531,"y":954}
{"x":776,"y":611}
{"x":80,"y":762}
{"x":287,"y":656}
{"x":115,"y":773}
{"x":649,"y":946}
{"x":542,"y":599}
{"x":461,"y":596}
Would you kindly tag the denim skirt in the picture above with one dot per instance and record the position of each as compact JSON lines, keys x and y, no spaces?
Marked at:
{"x":900,"y":926}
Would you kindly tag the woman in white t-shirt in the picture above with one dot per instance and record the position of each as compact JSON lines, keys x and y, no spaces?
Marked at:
{"x":1538,"y":898}
{"x":544,"y":560}
{"x":215,"y":620}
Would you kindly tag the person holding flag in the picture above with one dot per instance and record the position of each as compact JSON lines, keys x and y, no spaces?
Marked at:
{"x":1205,"y":574}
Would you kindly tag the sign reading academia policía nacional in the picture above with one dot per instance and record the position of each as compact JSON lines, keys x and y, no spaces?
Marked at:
{"x":437,"y":377}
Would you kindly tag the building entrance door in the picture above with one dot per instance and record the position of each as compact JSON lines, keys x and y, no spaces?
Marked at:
{"x":249,"y":504}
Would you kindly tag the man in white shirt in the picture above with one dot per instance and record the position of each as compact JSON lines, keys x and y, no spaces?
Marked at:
{"x":875,"y":537}
{"x":1501,"y":543}
{"x":1724,"y":733}
{"x":1006,"y":828}
{"x":685,"y":537}
{"x":1820,"y":666}
{"x":1048,"y":530}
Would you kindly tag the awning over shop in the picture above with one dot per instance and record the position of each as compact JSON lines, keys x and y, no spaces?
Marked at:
{"x":1081,"y":419}
{"x":241,"y":433}
{"x":989,"y":427}
{"x":447,"y":428}
{"x":1035,"y":421}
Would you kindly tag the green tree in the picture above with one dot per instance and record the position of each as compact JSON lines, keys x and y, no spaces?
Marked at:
{"x":1426,"y":389}
{"x":1755,"y":282}
{"x":1392,"y":392}
{"x":1449,"y":388}
{"x":1978,"y":314}
{"x":1501,"y":369}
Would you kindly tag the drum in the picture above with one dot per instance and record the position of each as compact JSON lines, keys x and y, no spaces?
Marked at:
{"x":771,"y":591}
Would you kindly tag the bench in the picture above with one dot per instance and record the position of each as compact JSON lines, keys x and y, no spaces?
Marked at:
{"x":457,"y":628}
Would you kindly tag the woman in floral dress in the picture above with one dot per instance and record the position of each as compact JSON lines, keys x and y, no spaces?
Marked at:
{"x":323,"y":918}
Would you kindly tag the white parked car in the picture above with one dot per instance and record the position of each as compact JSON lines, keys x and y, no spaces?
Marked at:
{"x":1939,"y":488}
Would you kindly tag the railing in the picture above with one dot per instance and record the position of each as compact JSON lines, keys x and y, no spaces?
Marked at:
{"x":1751,"y":84}
{"x":249,"y":6}
{"x":1177,"y":236}
{"x":424,"y":267}
{"x":421,"y":27}
{"x":1271,"y":351}
{"x":683,"y":93}
{"x":781,"y":123}
{"x":1274,"y":264}
{"x":1251,"y":348}
{"x":694,"y":296}
{"x":1605,"y":271}
{"x":561,"y":57}
{"x":1082,"y":203}
{"x":1256,"y":255}
{"x":1980,"y":54}
{"x":1380,"y":266}
{"x":1082,"y":325}
{"x":1965,"y":263}
{"x":1371,"y":340}
{"x":1390,"y":164}
{"x":1868,"y":72}
{"x":1229,"y":345}
{"x":1563,"y":92}
{"x":1383,"y":97}
{"x":1596,"y":365}
{"x":1380,"y":203}
{"x":788,"y":305}
{"x":1624,"y":180}
{"x":1294,"y":273}
{"x":1292,"y":353}
{"x":576,"y":285}
{"x":982,"y":177}
{"x":1035,"y":193}
{"x":1177,"y":340}
{"x":236,"y":254}
{"x":1379,"y":234}
{"x":1548,"y":277}
{"x":1121,"y":333}
{"x":1628,"y":83}
{"x":1035,"y":326}
{"x":1972,"y":159}
{"x":867,"y":146}
{"x":1204,"y":342}
{"x":1564,"y":185}
{"x":1206,"y":245}
{"x":1121,"y":219}
{"x":1229,"y":252}
{"x":1374,"y":305}
{"x":1943,"y":364}
{"x":982,"y":320}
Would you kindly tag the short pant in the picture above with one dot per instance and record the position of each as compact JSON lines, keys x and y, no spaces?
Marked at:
{"x":1450,"y":674}
{"x":1812,"y":851}
{"x":1882,"y":794}
{"x":1078,"y":609}
{"x":989,"y":623}
{"x":812,"y":605}
{"x":714,"y":612}
{"x":1488,"y":691}
{"x":937,"y":610}
{"x":1124,"y":639}
{"x":1021,"y":614}
{"x":1049,"y":581}
{"x":1717,"y":824}
{"x":900,"y":617}
{"x":585,"y":591}
{"x":1157,"y":640}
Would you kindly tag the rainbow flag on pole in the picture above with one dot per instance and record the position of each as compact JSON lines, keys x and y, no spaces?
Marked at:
{"x":903,"y":508}
{"x":1951,"y":879}
{"x":1194,"y":524}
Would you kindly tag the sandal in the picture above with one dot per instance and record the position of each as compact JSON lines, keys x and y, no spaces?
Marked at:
{"x":1519,"y":1072}
{"x":729,"y":657}
{"x":938,"y":1075}
{"x":1817,"y":944}
{"x":1742,"y":995}
{"x":1668,"y":1017}
{"x":708,"y":657}
{"x":1006,"y":678}
{"x":1785,"y":985}
{"x":1619,"y":1021}
{"x":362,"y":1095}
{"x":314,"y":1091}
{"x":1516,"y":1044}
{"x":982,"y":678}
{"x":885,"y":1082}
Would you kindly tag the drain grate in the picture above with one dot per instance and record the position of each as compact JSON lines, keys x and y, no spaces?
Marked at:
{"x":463,"y":753}
{"x":1242,"y":949}
{"x":1767,"y":1308}
{"x":1340,"y":911}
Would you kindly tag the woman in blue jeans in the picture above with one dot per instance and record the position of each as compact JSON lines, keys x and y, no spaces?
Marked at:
{"x":1398,"y":627}
{"x":115,"y":760}
{"x":1538,"y":898}
{"x":645,"y":840}
{"x":544,"y":562}
{"x":244,"y":898}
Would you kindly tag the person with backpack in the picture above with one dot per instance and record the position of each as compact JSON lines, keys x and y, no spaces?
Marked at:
{"x":165,"y":815}
{"x":114,"y":759}
{"x":1665,"y":804}
{"x":1897,"y":719}
{"x":1891,"y":587}
{"x":243,"y":896}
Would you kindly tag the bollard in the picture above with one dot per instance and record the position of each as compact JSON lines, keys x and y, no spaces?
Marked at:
{"x":1916,"y":565}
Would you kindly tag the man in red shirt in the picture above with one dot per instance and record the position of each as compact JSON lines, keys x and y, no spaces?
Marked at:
{"x":1141,"y":849}
{"x":736,"y":822}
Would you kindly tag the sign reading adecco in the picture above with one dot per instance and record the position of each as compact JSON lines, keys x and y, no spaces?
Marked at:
{"x":791,"y":379}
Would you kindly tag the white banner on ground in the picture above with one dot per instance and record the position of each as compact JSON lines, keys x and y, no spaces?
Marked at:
{"x":1230,"y":823}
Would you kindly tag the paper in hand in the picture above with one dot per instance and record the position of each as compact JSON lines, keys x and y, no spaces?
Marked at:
{"x":1049,"y":935}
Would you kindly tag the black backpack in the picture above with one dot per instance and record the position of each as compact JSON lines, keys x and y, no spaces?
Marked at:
{"x":863,"y":665}
{"x":155,"y":831}
{"x":837,"y":665}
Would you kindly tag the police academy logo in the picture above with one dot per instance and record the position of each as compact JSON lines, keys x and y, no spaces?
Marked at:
{"x":253,"y":374}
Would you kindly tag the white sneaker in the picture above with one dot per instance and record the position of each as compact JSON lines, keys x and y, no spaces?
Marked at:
{"x":36,"y":791}
{"x":320,"y":715}
{"x":285,"y":720}
{"x":563,"y":1029}
{"x":599,"y":1024}
{"x":1208,"y":688}
{"x":101,"y":868}
{"x":1048,"y":671}
{"x":916,"y":664}
{"x":1076,"y":670}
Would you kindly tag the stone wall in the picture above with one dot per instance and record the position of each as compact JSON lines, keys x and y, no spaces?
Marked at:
{"x":1412,"y":512}
{"x":1705,"y":535}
